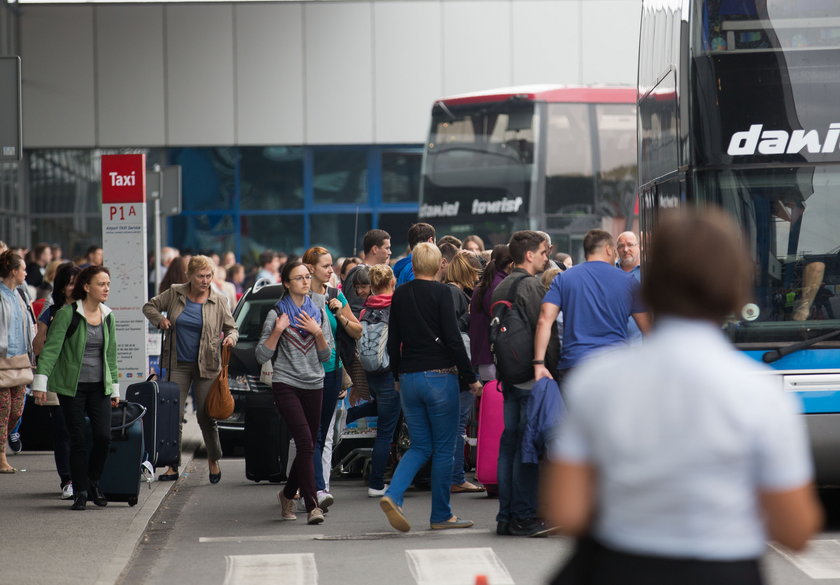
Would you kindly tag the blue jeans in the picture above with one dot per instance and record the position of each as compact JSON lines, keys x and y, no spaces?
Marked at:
{"x":517,"y":480}
{"x":430,"y":407}
{"x":332,"y":388}
{"x":466,"y":401}
{"x":387,"y":401}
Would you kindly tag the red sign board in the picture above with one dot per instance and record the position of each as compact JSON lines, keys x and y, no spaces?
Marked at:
{"x":123,"y":178}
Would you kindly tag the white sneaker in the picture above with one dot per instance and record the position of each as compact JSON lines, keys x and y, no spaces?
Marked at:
{"x":67,"y":491}
{"x":325,"y":500}
{"x":372,"y":493}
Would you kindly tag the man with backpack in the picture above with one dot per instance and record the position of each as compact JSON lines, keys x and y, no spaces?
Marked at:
{"x":515,"y":312}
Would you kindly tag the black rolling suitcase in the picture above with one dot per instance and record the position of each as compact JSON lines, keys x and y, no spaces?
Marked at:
{"x":266,"y":440}
{"x":162,"y":419}
{"x":122,"y":475}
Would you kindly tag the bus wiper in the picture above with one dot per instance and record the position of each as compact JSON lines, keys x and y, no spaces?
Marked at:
{"x":446,"y":110}
{"x":777,"y":354}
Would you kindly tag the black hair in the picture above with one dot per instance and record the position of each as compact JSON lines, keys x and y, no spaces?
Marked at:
{"x":522,"y":242}
{"x":374,"y":238}
{"x":65,"y":273}
{"x":286,"y":271}
{"x":499,"y":261}
{"x":420,"y":232}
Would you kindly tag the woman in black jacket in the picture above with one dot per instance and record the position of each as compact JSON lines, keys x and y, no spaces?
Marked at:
{"x":427,"y":357}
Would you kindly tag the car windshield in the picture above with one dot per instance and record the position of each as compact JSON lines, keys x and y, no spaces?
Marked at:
{"x":250,"y":318}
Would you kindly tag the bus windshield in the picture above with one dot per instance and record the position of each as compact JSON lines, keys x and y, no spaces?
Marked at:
{"x":478,"y":168}
{"x":788,"y":216}
{"x":495,"y":167}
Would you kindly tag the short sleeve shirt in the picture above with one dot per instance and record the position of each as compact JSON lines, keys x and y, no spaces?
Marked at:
{"x":683,"y":432}
{"x":596,"y":300}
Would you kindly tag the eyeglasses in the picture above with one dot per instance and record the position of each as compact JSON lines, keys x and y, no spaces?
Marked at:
{"x":625,"y":246}
{"x":302,"y":277}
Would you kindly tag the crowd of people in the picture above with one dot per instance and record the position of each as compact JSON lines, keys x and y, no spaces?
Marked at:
{"x":644,"y":452}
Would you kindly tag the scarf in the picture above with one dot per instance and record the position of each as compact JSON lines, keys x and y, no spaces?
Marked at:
{"x":288,"y":306}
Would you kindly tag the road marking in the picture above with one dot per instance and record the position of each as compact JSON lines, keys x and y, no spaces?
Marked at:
{"x":821,"y":560}
{"x":288,"y":569}
{"x":266,"y":538}
{"x":456,"y":566}
{"x":331,"y":537}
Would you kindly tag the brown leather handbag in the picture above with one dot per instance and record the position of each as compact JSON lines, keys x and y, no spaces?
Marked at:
{"x":219,"y":403}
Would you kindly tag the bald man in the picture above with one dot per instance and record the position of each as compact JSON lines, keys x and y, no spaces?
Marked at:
{"x":629,"y":260}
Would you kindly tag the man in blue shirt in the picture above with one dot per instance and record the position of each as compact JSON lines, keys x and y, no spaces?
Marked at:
{"x":417,"y":233}
{"x":629,"y":260}
{"x":596,"y":300}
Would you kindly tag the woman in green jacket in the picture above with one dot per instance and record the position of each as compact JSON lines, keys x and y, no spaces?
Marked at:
{"x":79,"y":363}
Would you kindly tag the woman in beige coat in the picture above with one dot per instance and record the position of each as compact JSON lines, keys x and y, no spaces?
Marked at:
{"x":194,"y":319}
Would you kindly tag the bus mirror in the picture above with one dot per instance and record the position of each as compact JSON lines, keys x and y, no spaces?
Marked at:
{"x":520,"y":119}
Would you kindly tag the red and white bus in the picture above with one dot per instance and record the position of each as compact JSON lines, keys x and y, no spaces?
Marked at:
{"x":560,"y":159}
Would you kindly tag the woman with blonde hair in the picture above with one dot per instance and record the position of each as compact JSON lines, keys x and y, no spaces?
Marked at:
{"x":196,"y":318}
{"x":461,"y":277}
{"x":427,"y":357}
{"x":386,"y":400}
{"x":319,"y":262}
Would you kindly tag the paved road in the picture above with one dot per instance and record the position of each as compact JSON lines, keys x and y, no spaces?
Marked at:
{"x":230,"y":533}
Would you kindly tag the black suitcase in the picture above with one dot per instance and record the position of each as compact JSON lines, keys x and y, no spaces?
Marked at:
{"x":120,"y":481}
{"x":122,"y":475}
{"x":162,"y":420}
{"x":266,"y":440}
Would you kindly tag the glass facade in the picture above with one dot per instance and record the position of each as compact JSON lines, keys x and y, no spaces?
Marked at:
{"x":245,"y":199}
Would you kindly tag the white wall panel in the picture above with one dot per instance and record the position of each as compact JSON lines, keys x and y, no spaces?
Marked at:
{"x":476,"y":45}
{"x":130,"y":90}
{"x":407,"y":69}
{"x":546,"y":42}
{"x":269,"y":74}
{"x":610,"y":41}
{"x":199,"y":74}
{"x":339,"y":72}
{"x":57,"y":69}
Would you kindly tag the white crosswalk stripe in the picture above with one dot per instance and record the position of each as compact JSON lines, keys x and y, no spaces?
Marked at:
{"x":821,"y":560}
{"x":456,"y":566}
{"x":286,"y":569}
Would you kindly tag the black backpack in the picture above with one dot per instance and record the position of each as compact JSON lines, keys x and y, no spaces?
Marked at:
{"x":511,"y":339}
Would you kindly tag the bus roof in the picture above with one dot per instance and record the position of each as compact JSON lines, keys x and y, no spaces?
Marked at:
{"x":548,"y":93}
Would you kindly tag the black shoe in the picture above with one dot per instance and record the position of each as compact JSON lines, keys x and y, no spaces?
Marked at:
{"x":168,"y":476}
{"x":503,"y":528}
{"x":216,"y":477}
{"x":79,"y":501}
{"x":532,"y":527}
{"x":96,"y":496}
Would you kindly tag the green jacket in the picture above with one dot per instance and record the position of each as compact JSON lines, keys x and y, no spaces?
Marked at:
{"x":60,"y":362}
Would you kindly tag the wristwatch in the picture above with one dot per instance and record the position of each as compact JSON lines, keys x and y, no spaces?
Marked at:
{"x":538,"y":362}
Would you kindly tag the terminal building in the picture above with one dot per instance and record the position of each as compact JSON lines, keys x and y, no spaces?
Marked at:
{"x":295,"y":123}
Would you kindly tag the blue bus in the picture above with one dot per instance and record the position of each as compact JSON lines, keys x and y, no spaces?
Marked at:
{"x":738,"y":108}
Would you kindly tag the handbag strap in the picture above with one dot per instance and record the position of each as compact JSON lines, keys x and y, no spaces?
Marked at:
{"x":423,"y":321}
